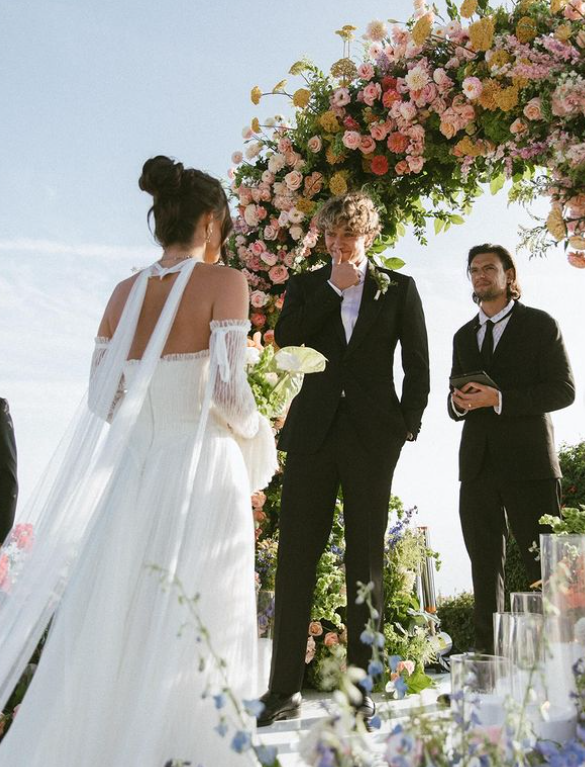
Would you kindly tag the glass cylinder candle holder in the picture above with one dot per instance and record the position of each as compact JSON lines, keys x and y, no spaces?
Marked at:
{"x":480,"y":685}
{"x":526,"y":602}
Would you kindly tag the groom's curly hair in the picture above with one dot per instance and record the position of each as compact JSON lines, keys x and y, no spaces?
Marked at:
{"x":354,"y":211}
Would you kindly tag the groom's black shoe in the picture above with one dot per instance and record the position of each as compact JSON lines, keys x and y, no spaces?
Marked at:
{"x":278,"y":707}
{"x":365,"y":711}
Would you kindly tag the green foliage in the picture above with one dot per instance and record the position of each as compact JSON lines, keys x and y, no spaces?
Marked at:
{"x":515,"y":575}
{"x":456,"y":616}
{"x":572,"y":460}
{"x":571,"y":521}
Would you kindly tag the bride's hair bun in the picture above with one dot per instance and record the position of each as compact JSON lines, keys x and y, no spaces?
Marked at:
{"x":161,"y":177}
{"x":180,"y":197}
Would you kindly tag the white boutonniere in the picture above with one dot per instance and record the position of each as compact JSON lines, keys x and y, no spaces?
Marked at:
{"x":383,"y":280}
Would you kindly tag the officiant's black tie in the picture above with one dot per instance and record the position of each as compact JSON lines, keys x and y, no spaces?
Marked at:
{"x":487,"y":347}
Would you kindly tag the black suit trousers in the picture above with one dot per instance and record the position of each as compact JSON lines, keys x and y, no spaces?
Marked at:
{"x":8,"y":481}
{"x":310,"y":486}
{"x":488,"y":504}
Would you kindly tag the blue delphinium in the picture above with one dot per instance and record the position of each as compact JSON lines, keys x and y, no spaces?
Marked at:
{"x":241,"y":742}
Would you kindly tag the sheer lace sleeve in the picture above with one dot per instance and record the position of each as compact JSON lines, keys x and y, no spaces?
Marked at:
{"x":235,"y":404}
{"x":100,"y":349}
{"x":232,"y":395}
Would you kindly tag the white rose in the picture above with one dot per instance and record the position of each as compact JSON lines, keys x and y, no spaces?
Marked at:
{"x":252,"y":356}
{"x":258,"y":299}
{"x":295,"y":216}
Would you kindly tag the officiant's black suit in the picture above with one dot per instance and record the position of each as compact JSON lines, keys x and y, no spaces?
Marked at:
{"x":345,"y":428}
{"x":8,"y":481}
{"x":509,"y":461}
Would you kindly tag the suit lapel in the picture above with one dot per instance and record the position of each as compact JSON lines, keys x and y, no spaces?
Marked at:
{"x":510,"y":335}
{"x":369,"y":309}
{"x":325,"y":274}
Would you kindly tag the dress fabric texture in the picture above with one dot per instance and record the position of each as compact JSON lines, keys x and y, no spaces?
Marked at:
{"x":119,"y":682}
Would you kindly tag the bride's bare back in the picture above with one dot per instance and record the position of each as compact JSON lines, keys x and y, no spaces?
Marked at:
{"x":212,"y":293}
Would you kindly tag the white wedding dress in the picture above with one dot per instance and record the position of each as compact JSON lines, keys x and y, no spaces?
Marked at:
{"x":120,"y":683}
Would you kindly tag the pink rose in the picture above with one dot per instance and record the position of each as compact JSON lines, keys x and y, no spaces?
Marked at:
{"x":269,"y":258}
{"x":472,"y":87}
{"x":379,"y":131}
{"x":518,"y":127}
{"x":269,"y":336}
{"x":367,"y":145}
{"x":415,"y":164}
{"x":284,"y":145}
{"x":340,"y":97}
{"x":258,"y":299}
{"x":442,"y":79}
{"x":574,"y":10}
{"x":533,"y":110}
{"x":315,"y":144}
{"x":371,"y":93}
{"x":352,"y":139}
{"x":405,"y":665}
{"x":278,"y":274}
{"x":270,"y":233}
{"x":311,"y":238}
{"x":330,"y":639}
{"x":258,"y":500}
{"x":261,"y":212}
{"x":257,"y":247}
{"x":315,"y":629}
{"x":237,"y":158}
{"x":293,"y":180}
{"x":407,"y":110}
{"x":310,"y":651}
{"x":401,"y":168}
{"x":366,"y":71}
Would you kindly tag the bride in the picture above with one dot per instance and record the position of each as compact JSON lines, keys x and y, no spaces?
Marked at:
{"x":157,"y":471}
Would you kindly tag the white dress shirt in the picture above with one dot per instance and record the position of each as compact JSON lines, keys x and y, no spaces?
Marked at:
{"x":352,"y":298}
{"x":497,"y":332}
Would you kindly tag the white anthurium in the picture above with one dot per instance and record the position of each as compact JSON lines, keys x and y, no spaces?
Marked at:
{"x":300,"y":359}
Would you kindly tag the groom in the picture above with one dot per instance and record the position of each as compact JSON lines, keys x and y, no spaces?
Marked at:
{"x":345,"y":429}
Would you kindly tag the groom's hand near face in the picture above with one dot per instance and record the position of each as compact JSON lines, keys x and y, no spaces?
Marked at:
{"x":344,"y":274}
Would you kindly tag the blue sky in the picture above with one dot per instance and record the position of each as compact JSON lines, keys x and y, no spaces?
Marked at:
{"x":90,"y":90}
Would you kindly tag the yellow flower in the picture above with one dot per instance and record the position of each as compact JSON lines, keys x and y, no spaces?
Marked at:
{"x":468,"y":147}
{"x":526,"y":29}
{"x":338,"y":184}
{"x":421,"y":30}
{"x":524,"y":5}
{"x":329,"y":122}
{"x":507,"y":98}
{"x":256,"y":94}
{"x":255,"y":125}
{"x":468,"y":8}
{"x":563,"y":32}
{"x":578,"y":242}
{"x":481,"y":34}
{"x":490,"y":90}
{"x":556,"y":224}
{"x":557,"y":5}
{"x":344,"y":69}
{"x":346,"y":32}
{"x":279,"y":86}
{"x":298,"y":67}
{"x":332,"y":158}
{"x":301,"y":98}
{"x":305,"y":206}
{"x":498,"y":59}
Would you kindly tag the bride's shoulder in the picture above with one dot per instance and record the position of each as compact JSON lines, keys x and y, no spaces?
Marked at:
{"x":223,"y":276}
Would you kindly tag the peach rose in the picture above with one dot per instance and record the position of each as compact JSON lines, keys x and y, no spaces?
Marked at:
{"x":366,"y":71}
{"x":293,"y":180}
{"x":278,"y":274}
{"x":315,"y":629}
{"x":415,"y":164}
{"x":379,"y":131}
{"x":518,"y":127}
{"x":533,"y":110}
{"x":447,"y":129}
{"x":330,"y":639}
{"x":315,"y":144}
{"x":257,"y":319}
{"x":270,"y":233}
{"x":401,"y":168}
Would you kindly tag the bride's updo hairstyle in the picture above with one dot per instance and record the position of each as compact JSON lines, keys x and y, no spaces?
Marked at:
{"x":180,"y":197}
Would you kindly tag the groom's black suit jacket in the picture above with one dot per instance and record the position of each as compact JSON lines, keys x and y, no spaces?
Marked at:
{"x":362,"y":369}
{"x":531,"y":367}
{"x":8,"y":481}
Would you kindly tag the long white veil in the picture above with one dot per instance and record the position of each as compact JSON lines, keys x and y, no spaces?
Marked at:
{"x":67,"y":500}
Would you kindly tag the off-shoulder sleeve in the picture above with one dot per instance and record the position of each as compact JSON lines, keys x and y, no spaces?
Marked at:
{"x":101,"y":347}
{"x":234,"y":402}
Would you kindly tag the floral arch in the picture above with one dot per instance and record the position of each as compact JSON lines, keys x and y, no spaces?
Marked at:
{"x":422,"y":119}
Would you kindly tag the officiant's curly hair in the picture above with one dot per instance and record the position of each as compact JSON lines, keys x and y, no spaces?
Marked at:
{"x":180,"y":197}
{"x":507,"y":260}
{"x":354,"y":211}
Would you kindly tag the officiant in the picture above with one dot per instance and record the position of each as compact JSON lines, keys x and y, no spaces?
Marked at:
{"x":8,"y":480}
{"x":508,"y":464}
